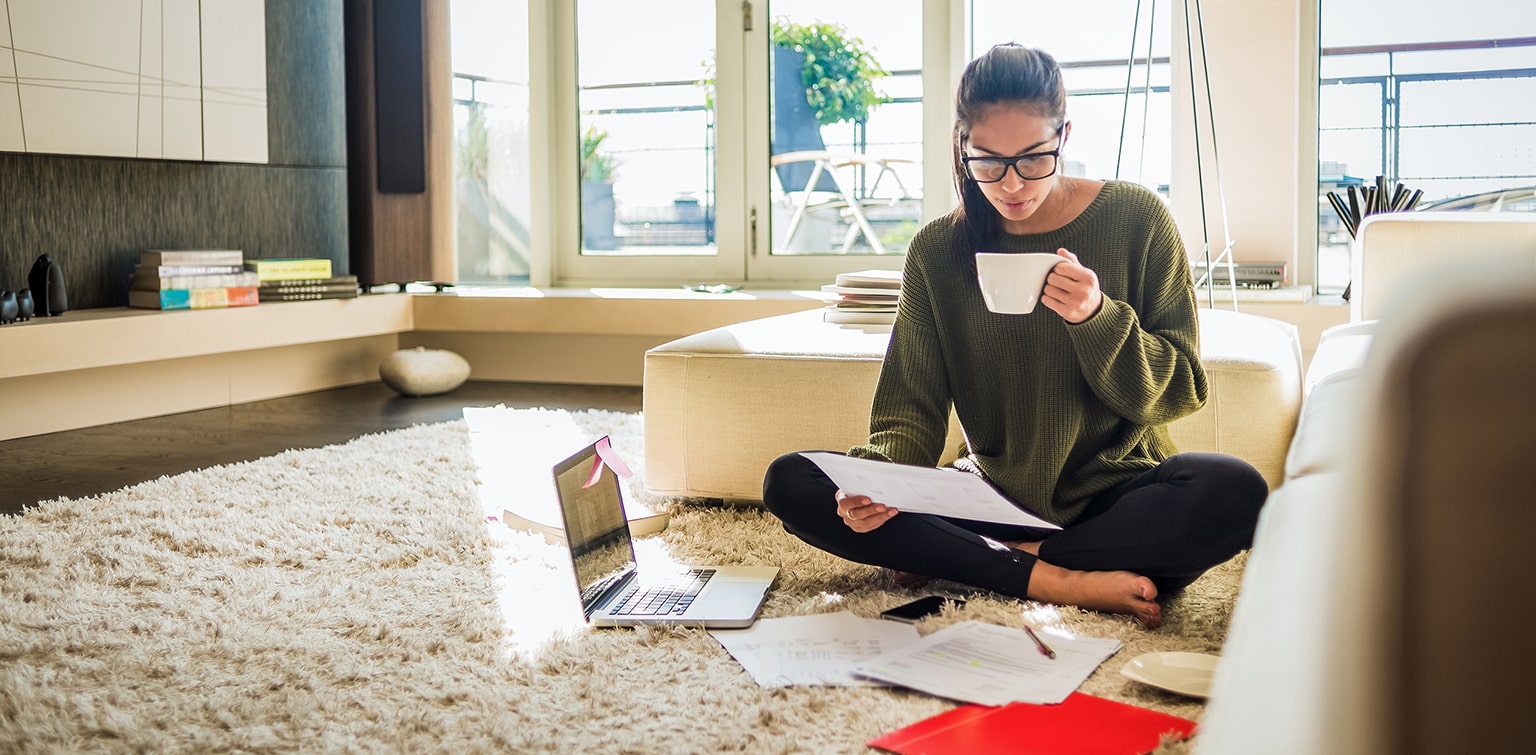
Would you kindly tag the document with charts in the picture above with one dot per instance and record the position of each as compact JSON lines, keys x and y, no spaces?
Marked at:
{"x":923,"y":490}
{"x":987,"y":664}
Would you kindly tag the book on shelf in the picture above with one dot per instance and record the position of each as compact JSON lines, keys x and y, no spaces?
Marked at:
{"x":1246,"y":274}
{"x":305,"y":295}
{"x":152,"y":282}
{"x":1081,"y":725}
{"x":290,"y":268}
{"x":172,"y":271}
{"x":193,"y":298}
{"x":153,"y":257}
{"x":335,"y":283}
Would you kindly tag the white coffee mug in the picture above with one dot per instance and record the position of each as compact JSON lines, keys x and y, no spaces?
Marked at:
{"x":1011,"y":284}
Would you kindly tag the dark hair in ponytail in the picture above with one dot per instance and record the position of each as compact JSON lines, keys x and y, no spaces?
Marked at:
{"x":1006,"y":74}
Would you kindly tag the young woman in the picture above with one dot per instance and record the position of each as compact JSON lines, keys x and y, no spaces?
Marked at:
{"x":1065,"y":410}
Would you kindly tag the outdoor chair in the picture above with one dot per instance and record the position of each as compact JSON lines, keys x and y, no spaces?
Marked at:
{"x":814,"y":178}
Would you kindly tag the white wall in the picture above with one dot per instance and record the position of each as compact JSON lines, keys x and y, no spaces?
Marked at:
{"x":1261,"y":57}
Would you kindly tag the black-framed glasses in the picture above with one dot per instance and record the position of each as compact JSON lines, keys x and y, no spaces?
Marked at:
{"x":1031,"y":167}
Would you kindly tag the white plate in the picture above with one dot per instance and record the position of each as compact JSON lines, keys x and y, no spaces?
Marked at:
{"x":1184,"y":673}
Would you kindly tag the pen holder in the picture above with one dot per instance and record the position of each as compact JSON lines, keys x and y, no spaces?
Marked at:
{"x":1371,"y":200}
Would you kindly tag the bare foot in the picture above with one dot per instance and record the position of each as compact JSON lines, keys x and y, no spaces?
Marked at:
{"x":1112,"y":591}
{"x":909,"y":580}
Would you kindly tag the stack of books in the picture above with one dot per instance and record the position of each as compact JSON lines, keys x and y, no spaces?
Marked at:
{"x":191,"y":279}
{"x":867,"y":297}
{"x":1246,"y":274}
{"x":300,"y":279}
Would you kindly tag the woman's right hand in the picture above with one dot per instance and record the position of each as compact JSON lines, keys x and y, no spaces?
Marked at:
{"x":862,"y":514}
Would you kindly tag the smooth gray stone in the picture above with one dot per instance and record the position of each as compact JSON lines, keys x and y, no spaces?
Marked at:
{"x":423,"y":372}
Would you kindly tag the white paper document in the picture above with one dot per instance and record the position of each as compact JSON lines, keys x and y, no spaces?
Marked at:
{"x":923,"y":490}
{"x":989,"y":664}
{"x":812,"y":650}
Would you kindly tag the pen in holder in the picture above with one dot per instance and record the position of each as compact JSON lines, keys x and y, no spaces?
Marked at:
{"x":1371,"y":200}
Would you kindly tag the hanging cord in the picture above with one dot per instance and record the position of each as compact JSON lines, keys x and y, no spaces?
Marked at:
{"x":1125,"y":104}
{"x":1146,"y":86}
{"x":1146,"y":91}
{"x":1221,"y":192}
{"x":1194,"y":104}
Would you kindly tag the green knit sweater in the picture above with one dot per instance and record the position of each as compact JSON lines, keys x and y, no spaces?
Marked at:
{"x":1053,"y":413}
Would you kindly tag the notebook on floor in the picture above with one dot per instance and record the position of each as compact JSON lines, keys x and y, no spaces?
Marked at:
{"x":614,"y":591}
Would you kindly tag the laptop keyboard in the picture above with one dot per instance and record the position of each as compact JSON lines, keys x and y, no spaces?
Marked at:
{"x":662,"y":599}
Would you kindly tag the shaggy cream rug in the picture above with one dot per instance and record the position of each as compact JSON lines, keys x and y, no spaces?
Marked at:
{"x":356,"y":598}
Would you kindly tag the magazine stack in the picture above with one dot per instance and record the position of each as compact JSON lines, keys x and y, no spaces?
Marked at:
{"x":867,"y":297}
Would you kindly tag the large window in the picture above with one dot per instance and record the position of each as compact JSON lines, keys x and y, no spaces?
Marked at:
{"x":492,"y":186}
{"x":1117,"y":76}
{"x":776,"y":143}
{"x":1438,"y":102}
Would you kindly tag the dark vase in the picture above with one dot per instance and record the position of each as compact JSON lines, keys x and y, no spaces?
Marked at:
{"x":47,"y":282}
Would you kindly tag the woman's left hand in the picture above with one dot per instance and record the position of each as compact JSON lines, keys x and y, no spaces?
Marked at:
{"x":1072,"y":290}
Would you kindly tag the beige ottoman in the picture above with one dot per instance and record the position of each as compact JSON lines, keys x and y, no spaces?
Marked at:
{"x":721,"y":404}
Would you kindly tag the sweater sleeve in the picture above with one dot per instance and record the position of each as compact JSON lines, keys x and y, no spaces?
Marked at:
{"x":909,"y":417}
{"x":1146,"y":364}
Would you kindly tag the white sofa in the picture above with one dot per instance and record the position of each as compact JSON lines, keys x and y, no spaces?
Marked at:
{"x":720,"y":405}
{"x":1386,"y":603}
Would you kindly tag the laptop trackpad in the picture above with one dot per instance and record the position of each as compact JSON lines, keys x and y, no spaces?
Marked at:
{"x":733,"y":599}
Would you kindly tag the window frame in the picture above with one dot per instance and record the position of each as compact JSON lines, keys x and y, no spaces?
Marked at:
{"x":742,"y":254}
{"x":743,"y":140}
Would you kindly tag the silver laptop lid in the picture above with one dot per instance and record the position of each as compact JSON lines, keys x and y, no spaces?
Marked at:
{"x":596,"y":530}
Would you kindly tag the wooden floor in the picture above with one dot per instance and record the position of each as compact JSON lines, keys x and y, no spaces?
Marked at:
{"x":96,"y":460}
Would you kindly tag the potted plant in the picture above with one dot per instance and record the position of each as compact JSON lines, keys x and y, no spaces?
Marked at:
{"x":838,"y":72}
{"x":598,"y":211}
{"x":836,"y":69}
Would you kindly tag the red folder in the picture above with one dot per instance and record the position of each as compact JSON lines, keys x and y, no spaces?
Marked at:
{"x":1080,"y":725}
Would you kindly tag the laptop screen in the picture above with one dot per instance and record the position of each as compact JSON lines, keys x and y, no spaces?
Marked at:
{"x":595,"y":527}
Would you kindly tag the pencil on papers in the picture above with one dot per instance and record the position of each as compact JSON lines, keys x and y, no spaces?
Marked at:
{"x":1045,"y":649}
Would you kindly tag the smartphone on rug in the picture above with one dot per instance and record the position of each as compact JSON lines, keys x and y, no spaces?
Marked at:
{"x":911,"y":613}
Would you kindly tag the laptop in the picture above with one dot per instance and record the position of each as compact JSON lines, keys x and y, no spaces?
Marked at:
{"x":613,"y":590}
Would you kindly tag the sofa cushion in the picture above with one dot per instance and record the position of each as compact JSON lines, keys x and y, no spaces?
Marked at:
{"x":1326,"y":428}
{"x":1392,"y":248}
{"x":1268,"y":678}
{"x":1341,"y":348}
{"x":1253,"y":366}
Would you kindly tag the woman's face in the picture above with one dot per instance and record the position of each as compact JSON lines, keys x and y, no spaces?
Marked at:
{"x":1012,"y":131}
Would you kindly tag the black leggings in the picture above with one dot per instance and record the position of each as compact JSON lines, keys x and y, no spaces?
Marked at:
{"x":1170,"y":524}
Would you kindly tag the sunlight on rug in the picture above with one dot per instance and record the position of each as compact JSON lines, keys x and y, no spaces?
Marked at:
{"x":357,"y":598}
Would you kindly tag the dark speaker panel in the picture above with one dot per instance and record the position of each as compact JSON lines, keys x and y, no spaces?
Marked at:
{"x":399,"y":96}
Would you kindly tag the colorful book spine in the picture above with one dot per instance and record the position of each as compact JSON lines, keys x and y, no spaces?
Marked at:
{"x":162,"y":283}
{"x":194,"y":298}
{"x":290,"y":268}
{"x":171,"y":271}
{"x":151,"y":257}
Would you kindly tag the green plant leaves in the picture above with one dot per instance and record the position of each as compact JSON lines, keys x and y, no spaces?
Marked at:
{"x":839,"y":72}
